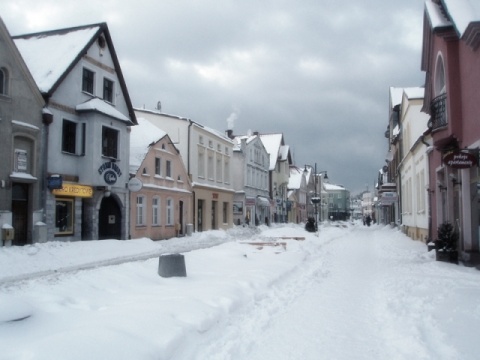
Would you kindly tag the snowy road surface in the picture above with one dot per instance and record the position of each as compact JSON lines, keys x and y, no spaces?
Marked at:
{"x":352,"y":293}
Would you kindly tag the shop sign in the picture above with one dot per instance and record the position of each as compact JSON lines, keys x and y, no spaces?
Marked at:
{"x":388,"y":198}
{"x":55,"y":182}
{"x":74,"y":190}
{"x":110,"y":171}
{"x":460,"y":160}
{"x":21,"y":159}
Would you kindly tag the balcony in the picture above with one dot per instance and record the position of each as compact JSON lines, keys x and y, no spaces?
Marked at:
{"x":438,"y":111}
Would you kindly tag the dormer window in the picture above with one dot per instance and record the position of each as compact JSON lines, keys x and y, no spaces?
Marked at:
{"x":108,"y":90}
{"x":88,"y":80}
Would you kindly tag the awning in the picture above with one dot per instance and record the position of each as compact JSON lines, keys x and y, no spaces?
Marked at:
{"x":263,"y":201}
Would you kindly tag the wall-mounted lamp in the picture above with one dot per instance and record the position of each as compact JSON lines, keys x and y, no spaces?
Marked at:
{"x":454,"y":179}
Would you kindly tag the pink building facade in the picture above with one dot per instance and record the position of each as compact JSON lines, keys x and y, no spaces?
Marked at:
{"x":451,"y":61}
{"x":160,"y":190}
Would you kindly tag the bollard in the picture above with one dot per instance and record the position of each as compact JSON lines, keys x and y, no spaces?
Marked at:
{"x":171,"y":265}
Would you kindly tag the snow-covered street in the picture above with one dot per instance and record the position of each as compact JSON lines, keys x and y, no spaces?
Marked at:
{"x":354,"y":292}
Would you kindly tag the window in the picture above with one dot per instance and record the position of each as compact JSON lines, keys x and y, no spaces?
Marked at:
{"x":140,"y":210}
{"x":219,"y":171}
{"x":210,"y":165}
{"x":225,"y":212}
{"x":158,"y":167}
{"x":88,"y":81}
{"x":156,"y":211}
{"x":168,"y":170}
{"x":69,"y":137}
{"x":108,"y":90}
{"x":169,"y":212}
{"x":109,"y":142}
{"x":201,"y":162}
{"x":64,"y":216}
{"x":3,"y":81}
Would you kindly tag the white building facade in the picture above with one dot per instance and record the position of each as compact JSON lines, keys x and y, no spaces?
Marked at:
{"x":414,"y":166}
{"x":250,"y":179}
{"x":88,"y":140}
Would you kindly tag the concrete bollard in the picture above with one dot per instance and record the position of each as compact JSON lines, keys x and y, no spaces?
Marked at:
{"x":171,"y":265}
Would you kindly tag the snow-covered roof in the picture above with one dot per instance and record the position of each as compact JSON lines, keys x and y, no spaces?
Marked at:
{"x":331,"y":187}
{"x":103,"y":107}
{"x":295,"y":179}
{"x":396,"y":94}
{"x":141,"y":137}
{"x":283,"y":153}
{"x":272,"y":143}
{"x":237,"y":141}
{"x":435,"y":15}
{"x":48,"y":55}
{"x":460,"y":14}
{"x":415,"y":92}
{"x":463,"y":12}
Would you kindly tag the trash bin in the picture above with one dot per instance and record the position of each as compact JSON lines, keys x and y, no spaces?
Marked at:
{"x":170,"y":265}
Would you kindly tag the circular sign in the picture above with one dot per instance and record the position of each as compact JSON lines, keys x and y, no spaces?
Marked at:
{"x":110,"y":177}
{"x":134,"y":185}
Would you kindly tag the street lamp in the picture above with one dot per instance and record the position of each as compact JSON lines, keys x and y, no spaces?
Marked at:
{"x":316,"y":199}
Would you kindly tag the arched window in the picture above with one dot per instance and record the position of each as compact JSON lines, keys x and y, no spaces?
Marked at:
{"x":440,"y":84}
{"x":3,"y":81}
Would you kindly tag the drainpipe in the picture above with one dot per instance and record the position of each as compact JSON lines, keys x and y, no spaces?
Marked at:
{"x":189,"y":174}
{"x":47,"y":119}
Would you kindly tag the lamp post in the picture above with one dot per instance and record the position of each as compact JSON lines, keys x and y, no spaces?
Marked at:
{"x":316,"y":199}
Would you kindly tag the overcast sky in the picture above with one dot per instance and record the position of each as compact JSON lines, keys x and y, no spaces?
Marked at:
{"x":318,"y":71}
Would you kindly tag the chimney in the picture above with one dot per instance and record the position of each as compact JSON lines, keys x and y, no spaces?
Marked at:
{"x":229,"y":133}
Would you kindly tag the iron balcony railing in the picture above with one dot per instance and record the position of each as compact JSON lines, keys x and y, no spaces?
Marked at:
{"x":439,"y":111}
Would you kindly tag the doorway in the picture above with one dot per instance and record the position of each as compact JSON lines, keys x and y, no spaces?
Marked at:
{"x":20,"y":213}
{"x":110,"y":219}
{"x":200,"y":215}
{"x":180,"y":217}
{"x":214,"y":215}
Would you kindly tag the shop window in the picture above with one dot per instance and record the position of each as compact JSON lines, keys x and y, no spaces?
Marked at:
{"x":109,"y":142}
{"x":64,"y":217}
{"x":88,"y":81}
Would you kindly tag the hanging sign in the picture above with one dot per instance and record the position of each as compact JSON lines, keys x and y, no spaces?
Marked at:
{"x":110,"y":171}
{"x":460,"y":160}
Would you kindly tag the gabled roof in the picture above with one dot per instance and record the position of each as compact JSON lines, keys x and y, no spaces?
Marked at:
{"x":295,"y":179}
{"x":463,"y":15}
{"x":19,"y":61}
{"x":51,"y":55}
{"x":141,"y":138}
{"x":276,"y":148}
